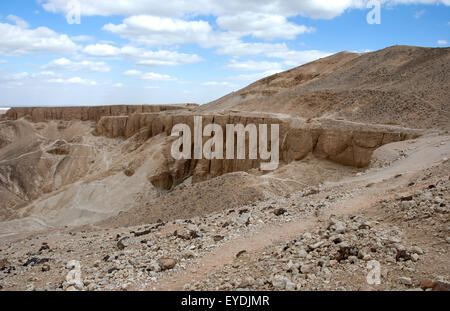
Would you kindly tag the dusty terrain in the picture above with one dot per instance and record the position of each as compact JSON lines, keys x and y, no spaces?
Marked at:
{"x":363,"y":176}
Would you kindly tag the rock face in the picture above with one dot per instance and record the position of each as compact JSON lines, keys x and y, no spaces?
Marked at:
{"x":342,"y":142}
{"x":41,"y":114}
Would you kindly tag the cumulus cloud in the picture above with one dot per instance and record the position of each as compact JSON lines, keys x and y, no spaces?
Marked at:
{"x":83,"y":66}
{"x":74,"y":80}
{"x":18,"y":40}
{"x":141,"y":56}
{"x":318,"y":9}
{"x":215,"y":83}
{"x":152,"y":76}
{"x":154,"y":30}
{"x":442,"y":42}
{"x":20,"y":78}
{"x":262,"y":25}
{"x":18,"y":21}
{"x":82,"y":38}
{"x":296,"y":58}
{"x":290,"y":57}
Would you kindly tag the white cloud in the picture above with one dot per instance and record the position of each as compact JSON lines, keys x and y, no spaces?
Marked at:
{"x":253,"y":65}
{"x":240,"y":48}
{"x":74,"y":80}
{"x":118,"y":85}
{"x":101,"y":50}
{"x":296,"y":58}
{"x":19,"y":79}
{"x":442,"y":42}
{"x":82,"y":38}
{"x":324,"y":9}
{"x":18,"y":21}
{"x":310,"y":8}
{"x":261,"y":25}
{"x":132,"y":72}
{"x":83,"y":66}
{"x":154,"y":30}
{"x":19,"y":40}
{"x":2,"y":61}
{"x":290,"y":57}
{"x":152,"y":76}
{"x":215,"y":83}
{"x":141,"y":56}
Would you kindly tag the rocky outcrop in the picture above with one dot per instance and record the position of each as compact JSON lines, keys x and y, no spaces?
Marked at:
{"x":95,"y":113}
{"x":346,"y":143}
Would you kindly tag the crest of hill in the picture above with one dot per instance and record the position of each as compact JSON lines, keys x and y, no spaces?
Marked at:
{"x":400,"y":85}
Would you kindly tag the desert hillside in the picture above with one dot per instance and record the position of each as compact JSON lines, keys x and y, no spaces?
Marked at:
{"x":399,"y":85}
{"x":363,"y":175}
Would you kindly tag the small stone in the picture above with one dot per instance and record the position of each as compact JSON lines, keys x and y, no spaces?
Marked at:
{"x":417,"y":250}
{"x":405,"y":280}
{"x":218,"y":238}
{"x":426,"y":284}
{"x":302,"y":253}
{"x":415,"y":257}
{"x":279,"y":282}
{"x":316,"y":245}
{"x":240,"y":253}
{"x":120,"y":244}
{"x":402,"y":256}
{"x":129,"y":172}
{"x":305,"y":269}
{"x":290,"y":286}
{"x":4,"y":263}
{"x":186,"y":234}
{"x":44,"y":247}
{"x":408,"y":204}
{"x":45,"y":268}
{"x":280,"y":211}
{"x":167,"y":263}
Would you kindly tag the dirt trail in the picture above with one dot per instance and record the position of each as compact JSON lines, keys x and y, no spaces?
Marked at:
{"x":258,"y":240}
{"x":386,"y":182}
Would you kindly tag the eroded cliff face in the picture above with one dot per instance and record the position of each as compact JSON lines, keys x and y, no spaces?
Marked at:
{"x":95,"y":113}
{"x":342,"y":142}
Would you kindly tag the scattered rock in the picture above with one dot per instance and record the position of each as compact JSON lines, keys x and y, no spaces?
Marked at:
{"x":280,"y":211}
{"x":218,"y":238}
{"x":45,"y":268}
{"x":44,"y":247}
{"x":35,"y":261}
{"x":129,"y":172}
{"x":241,"y":253}
{"x":4,"y":263}
{"x":405,"y":280}
{"x":167,"y":263}
{"x":402,"y":255}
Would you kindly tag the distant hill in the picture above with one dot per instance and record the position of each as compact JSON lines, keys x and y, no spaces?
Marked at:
{"x":402,"y":85}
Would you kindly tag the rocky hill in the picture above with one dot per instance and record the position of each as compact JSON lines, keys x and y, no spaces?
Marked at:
{"x":401,"y":85}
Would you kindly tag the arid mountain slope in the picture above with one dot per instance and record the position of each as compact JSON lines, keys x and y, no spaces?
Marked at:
{"x":401,"y":85}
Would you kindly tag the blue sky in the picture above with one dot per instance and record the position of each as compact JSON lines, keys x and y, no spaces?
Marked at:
{"x":148,"y":52}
